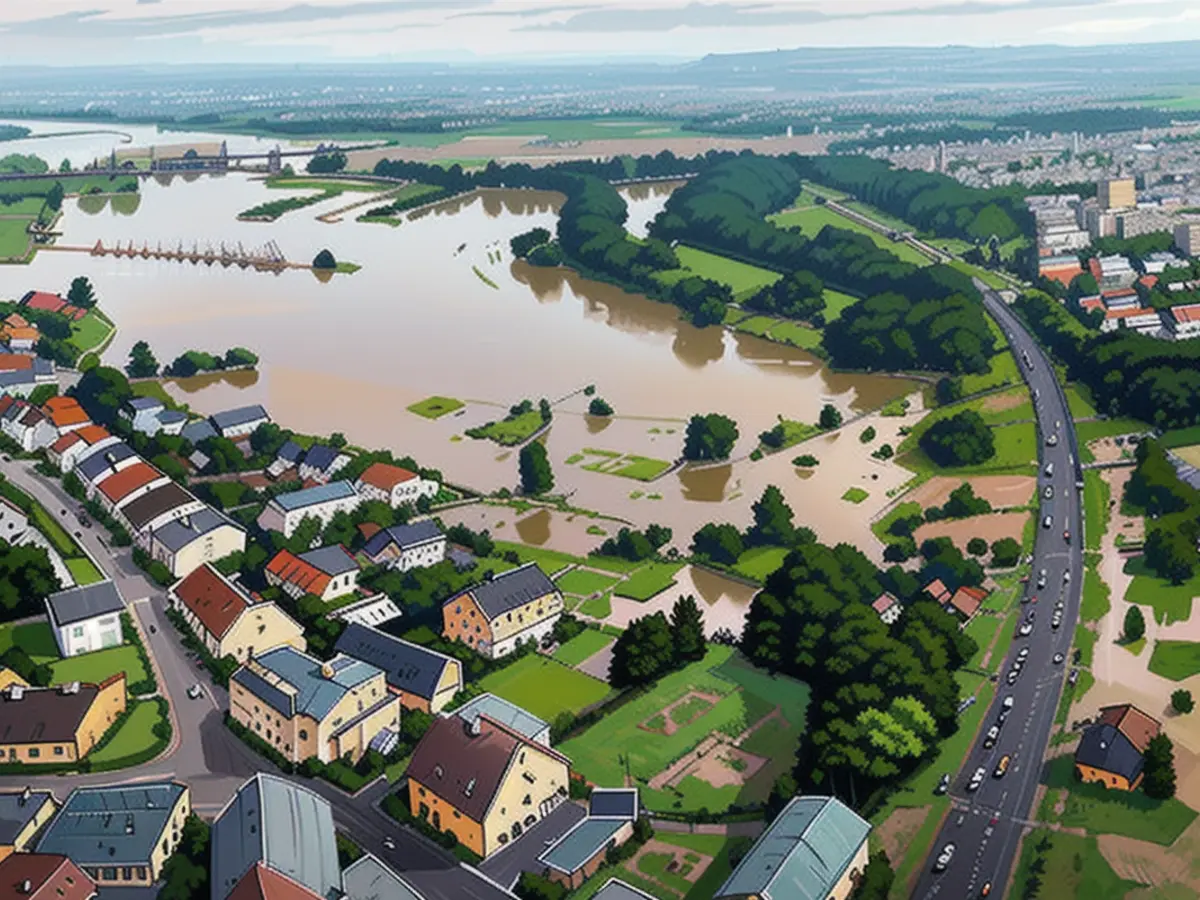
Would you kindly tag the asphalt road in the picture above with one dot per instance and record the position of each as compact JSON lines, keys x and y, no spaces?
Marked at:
{"x":985,"y":825}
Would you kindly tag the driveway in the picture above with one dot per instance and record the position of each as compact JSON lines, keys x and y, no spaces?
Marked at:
{"x":506,"y":866}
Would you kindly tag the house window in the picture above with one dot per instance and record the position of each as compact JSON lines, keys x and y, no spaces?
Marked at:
{"x":303,"y":735}
{"x":34,"y":752}
{"x":141,"y":873}
{"x":58,"y":751}
{"x":77,"y":631}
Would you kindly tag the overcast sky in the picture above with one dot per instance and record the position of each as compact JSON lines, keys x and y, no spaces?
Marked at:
{"x":133,"y":31}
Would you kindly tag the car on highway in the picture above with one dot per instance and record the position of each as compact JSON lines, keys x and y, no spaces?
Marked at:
{"x":1041,"y":582}
{"x":389,"y":844}
{"x":1009,"y":702}
{"x":194,"y":691}
{"x":1025,"y":630}
{"x":1047,"y":522}
{"x":986,"y":890}
{"x":1013,"y":675}
{"x":977,"y":779}
{"x":1052,"y":441}
{"x":1067,"y":577}
{"x":1058,"y":658}
{"x":1048,"y":492}
{"x":944,"y":858}
{"x":1023,"y":654}
{"x":1049,"y":470}
{"x":1056,"y":620}
{"x":1002,"y":766}
{"x":993,"y":735}
{"x":1067,"y":536}
{"x":943,"y":784}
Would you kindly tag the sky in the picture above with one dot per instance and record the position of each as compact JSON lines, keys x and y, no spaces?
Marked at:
{"x":103,"y":32}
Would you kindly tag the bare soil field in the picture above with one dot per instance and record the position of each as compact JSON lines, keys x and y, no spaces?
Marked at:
{"x":1005,"y":401}
{"x":898,"y":830}
{"x":1001,"y":491}
{"x":991,"y":528}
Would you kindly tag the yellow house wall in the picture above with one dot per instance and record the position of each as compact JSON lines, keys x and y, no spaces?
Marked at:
{"x":213,"y":546}
{"x":260,"y":628}
{"x":354,"y":702}
{"x":508,"y":806}
{"x":108,"y":705}
{"x":523,"y":617}
{"x":1108,"y":779}
{"x":449,"y":685}
{"x":450,"y":818}
{"x":845,"y":886}
{"x":355,"y":740}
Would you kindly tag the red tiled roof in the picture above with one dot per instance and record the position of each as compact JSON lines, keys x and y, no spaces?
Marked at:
{"x":1131,"y":722}
{"x":65,"y":442}
{"x":1127,"y":313}
{"x":1091,"y":303}
{"x":937,"y":590}
{"x":51,"y":877}
{"x":6,"y":401}
{"x":967,"y":600}
{"x":1118,"y":292}
{"x":883,"y":603}
{"x":290,"y":568}
{"x":385,"y":476}
{"x":261,"y":883}
{"x":22,"y":333}
{"x":122,"y":484}
{"x":43,"y":300}
{"x":65,"y":411}
{"x":1148,"y":280}
{"x":15,"y":362}
{"x":16,"y":320}
{"x":211,"y":599}
{"x":1187,"y":313}
{"x":93,"y":434}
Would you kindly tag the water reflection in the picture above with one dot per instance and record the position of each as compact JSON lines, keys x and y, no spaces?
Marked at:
{"x":535,"y":528}
{"x":596,"y":424}
{"x":238,"y":378}
{"x":705,"y":485}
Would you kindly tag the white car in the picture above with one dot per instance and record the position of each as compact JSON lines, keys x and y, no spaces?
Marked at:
{"x":1008,"y":702}
{"x":989,"y":740}
{"x":1023,"y":654}
{"x":1052,"y":441}
{"x":1025,"y":630}
{"x":1058,"y":659}
{"x":944,"y":858}
{"x":194,"y":691}
{"x":1066,"y":577}
{"x":977,"y":779}
{"x":1047,"y":522}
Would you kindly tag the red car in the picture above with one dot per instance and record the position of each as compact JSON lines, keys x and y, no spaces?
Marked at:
{"x":1067,"y":536}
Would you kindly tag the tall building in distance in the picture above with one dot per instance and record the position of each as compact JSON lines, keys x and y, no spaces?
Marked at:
{"x":1117,"y":193}
{"x":941,"y":157}
{"x":1187,"y":238}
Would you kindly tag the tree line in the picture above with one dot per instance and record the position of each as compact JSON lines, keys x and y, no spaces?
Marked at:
{"x":1173,"y":507}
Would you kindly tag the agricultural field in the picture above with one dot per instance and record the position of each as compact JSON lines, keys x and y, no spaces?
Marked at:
{"x":623,"y":465}
{"x":715,"y":700}
{"x":525,"y":684}
{"x":648,"y":581}
{"x":14,"y":237}
{"x":1015,"y":440}
{"x":743,"y":279}
{"x":810,"y":222}
{"x":584,"y":645}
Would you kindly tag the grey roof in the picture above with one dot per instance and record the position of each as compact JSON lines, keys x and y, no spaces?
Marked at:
{"x":509,"y":590}
{"x":148,"y":507}
{"x":316,"y":694}
{"x":43,"y":366}
{"x":79,"y":604}
{"x":171,"y":416}
{"x":616,"y":889}
{"x":1106,"y":747}
{"x":16,"y":812}
{"x":286,"y":827}
{"x":613,"y":803}
{"x":580,"y":845}
{"x":403,"y":536}
{"x":408,"y":667}
{"x":198,"y":431}
{"x":178,"y":533}
{"x":112,"y":826}
{"x":802,"y":855}
{"x":332,"y":560}
{"x":462,"y":559}
{"x":98,"y":462}
{"x":322,"y":493}
{"x":369,"y":879}
{"x":14,"y":378}
{"x":321,"y":456}
{"x":143,"y":403}
{"x":290,"y":451}
{"x":500,"y":710}
{"x":231,"y":418}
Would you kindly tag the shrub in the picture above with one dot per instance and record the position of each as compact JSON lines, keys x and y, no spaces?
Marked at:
{"x":1182,"y":702}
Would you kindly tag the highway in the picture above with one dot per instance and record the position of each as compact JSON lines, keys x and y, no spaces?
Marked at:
{"x":985,"y":824}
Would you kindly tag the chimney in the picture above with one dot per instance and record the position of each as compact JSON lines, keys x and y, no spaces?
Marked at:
{"x":15,"y":692}
{"x":25,"y":796}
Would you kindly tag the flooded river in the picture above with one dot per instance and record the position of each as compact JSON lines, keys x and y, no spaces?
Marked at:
{"x":420,"y":319}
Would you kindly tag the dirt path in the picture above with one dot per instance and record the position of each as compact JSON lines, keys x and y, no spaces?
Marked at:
{"x":1154,"y":864}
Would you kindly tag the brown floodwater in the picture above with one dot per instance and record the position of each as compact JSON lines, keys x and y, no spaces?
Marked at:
{"x":350,"y":353}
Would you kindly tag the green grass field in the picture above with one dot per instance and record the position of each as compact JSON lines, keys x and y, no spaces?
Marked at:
{"x":135,"y":736}
{"x":649,"y":581}
{"x":90,"y":332}
{"x":512,"y":430}
{"x":836,"y":303}
{"x":436,"y":407}
{"x":14,"y":238}
{"x":92,"y":668}
{"x":1070,"y":866}
{"x":760,"y":562}
{"x":811,"y":221}
{"x":1096,"y":497}
{"x":1181,"y":437}
{"x":743,"y":279}
{"x":320,"y":184}
{"x":83,"y":571}
{"x":584,"y":645}
{"x":549,"y":561}
{"x":526,"y":683}
{"x":610,"y":462}
{"x":1171,"y":602}
{"x":597,"y":607}
{"x":1016,"y":445}
{"x":584,"y":582}
{"x":1096,"y":593}
{"x":1176,"y":660}
{"x":1003,"y":370}
{"x":602,"y":752}
{"x":35,"y":638}
{"x":855,"y":495}
{"x":796,"y":335}
{"x":1129,"y":813}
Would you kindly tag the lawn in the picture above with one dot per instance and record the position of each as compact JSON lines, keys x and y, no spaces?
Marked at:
{"x":615,"y":564}
{"x":549,"y":561}
{"x":742,"y":279}
{"x":836,"y":303}
{"x":136,"y":735}
{"x":436,"y":407}
{"x":1175,"y":660}
{"x":796,"y":335}
{"x":1180,"y":437}
{"x":1002,"y":370}
{"x":1092,"y":431}
{"x":14,"y":238}
{"x":759,"y":562}
{"x":649,"y":581}
{"x":906,"y":510}
{"x":794,"y":432}
{"x":320,"y":184}
{"x":1101,"y":811}
{"x":610,"y":462}
{"x":811,"y":221}
{"x":1096,"y":497}
{"x":584,"y":582}
{"x":1070,"y":865}
{"x":511,"y":430}
{"x":1085,"y":643}
{"x":53,"y":532}
{"x":528,"y":681}
{"x":603,"y":752}
{"x":597,"y":607}
{"x":83,"y":571}
{"x":982,"y":629}
{"x":855,"y":495}
{"x":1096,"y":593}
{"x":35,"y":638}
{"x":1171,"y":602}
{"x":757,"y":325}
{"x":584,"y":645}
{"x":1016,"y":448}
{"x":92,"y":668}
{"x":90,"y":332}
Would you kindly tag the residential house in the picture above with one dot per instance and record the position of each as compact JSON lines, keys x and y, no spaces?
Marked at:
{"x":965,"y":602}
{"x":367,"y":878}
{"x":27,"y":425}
{"x":1134,"y":318}
{"x":581,"y":851}
{"x":13,"y":521}
{"x":616,"y":889}
{"x":304,"y":707}
{"x":104,"y":462}
{"x":22,"y":815}
{"x":128,"y":485}
{"x":262,"y":883}
{"x":16,"y":382}
{"x":1062,"y":268}
{"x":422,"y":678}
{"x":281,"y":826}
{"x":186,"y":543}
{"x":22,"y":338}
{"x":86,"y":618}
{"x":326,"y":572}
{"x":394,"y":485}
{"x":58,"y":724}
{"x":47,"y":302}
{"x":121,"y":836}
{"x":937,"y":591}
{"x":888,"y":608}
{"x":405,"y":547}
{"x":372,"y":610}
{"x":519,"y":605}
{"x":228,"y":621}
{"x":1112,"y":749}
{"x":288,"y":457}
{"x":75,"y":445}
{"x":507,"y":714}
{"x":9,"y":677}
{"x":1184,"y":321}
{"x":196,"y":431}
{"x":321,"y":463}
{"x":44,"y":876}
{"x":285,"y":512}
{"x":141,"y":413}
{"x":485,"y":782}
{"x":65,"y":414}
{"x":172,"y":421}
{"x":240,"y":422}
{"x":815,"y":847}
{"x":165,"y":503}
{"x":1123,"y":298}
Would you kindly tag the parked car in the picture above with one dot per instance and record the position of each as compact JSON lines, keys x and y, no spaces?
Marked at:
{"x":194,"y":691}
{"x":943,"y":784}
{"x":1008,"y":702}
{"x":1048,"y":492}
{"x":1047,"y":522}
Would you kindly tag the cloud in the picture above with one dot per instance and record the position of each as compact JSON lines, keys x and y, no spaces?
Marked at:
{"x":770,"y":15}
